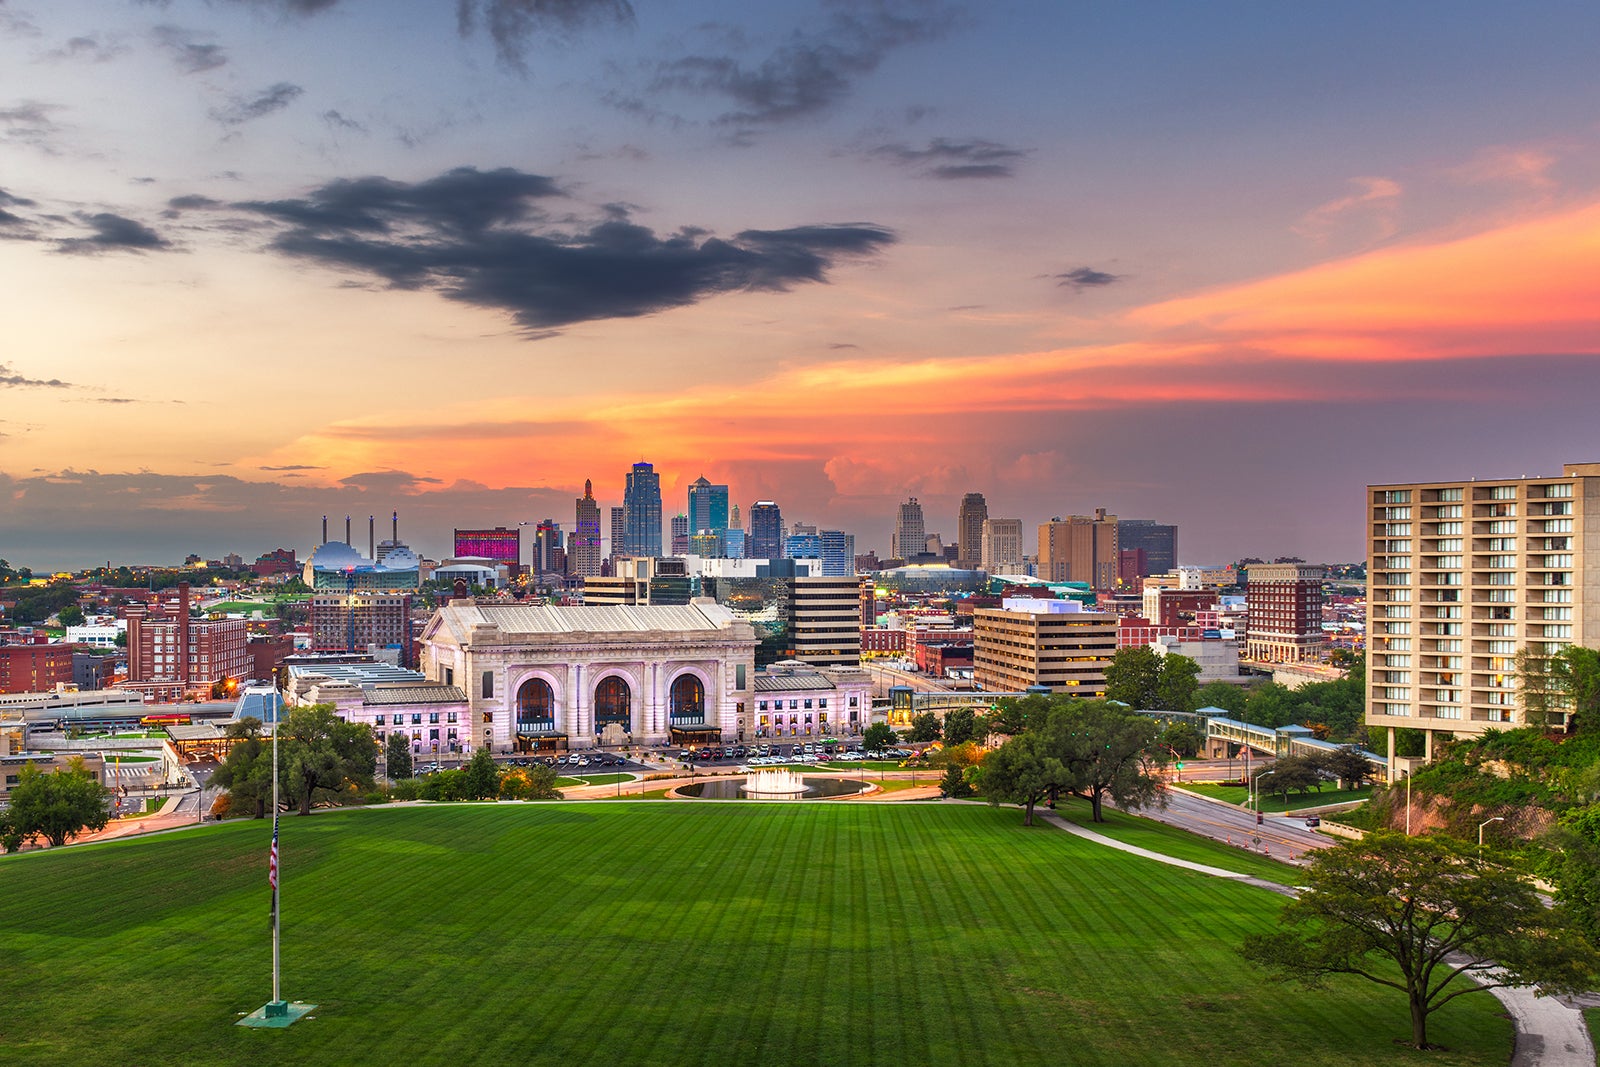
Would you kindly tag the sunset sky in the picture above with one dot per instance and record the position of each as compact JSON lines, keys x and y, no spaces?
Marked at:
{"x":1213,"y":264}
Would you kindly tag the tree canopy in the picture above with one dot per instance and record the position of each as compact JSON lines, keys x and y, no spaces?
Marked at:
{"x":1142,"y":678}
{"x":1092,"y":748}
{"x":878,"y":736}
{"x":322,"y":755}
{"x":1430,"y":909}
{"x":56,"y":806}
{"x":1555,"y":687}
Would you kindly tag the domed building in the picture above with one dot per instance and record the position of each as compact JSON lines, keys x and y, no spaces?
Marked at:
{"x":337,"y":567}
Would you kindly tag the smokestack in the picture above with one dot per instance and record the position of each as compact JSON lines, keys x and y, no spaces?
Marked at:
{"x":183,"y":633}
{"x":324,"y":531}
{"x":396,"y":535}
{"x":372,"y":538}
{"x":347,"y":529}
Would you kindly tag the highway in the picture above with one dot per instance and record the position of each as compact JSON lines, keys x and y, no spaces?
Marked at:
{"x":1281,"y":836}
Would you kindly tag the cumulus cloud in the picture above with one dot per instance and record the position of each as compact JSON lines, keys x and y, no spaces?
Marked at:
{"x":807,"y":73}
{"x":954,"y":160}
{"x":244,"y":109}
{"x":1083,"y":278}
{"x":192,"y":56}
{"x":113,"y":233}
{"x":483,"y":238}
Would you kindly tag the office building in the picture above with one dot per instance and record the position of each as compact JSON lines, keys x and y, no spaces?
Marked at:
{"x":1462,"y":576}
{"x":499,"y":544}
{"x":641,"y":580}
{"x":1080,"y":548}
{"x":766,"y":531}
{"x":826,"y":629}
{"x":1284,"y":601}
{"x":910,"y":537}
{"x":802,"y":546}
{"x":171,"y":654}
{"x":641,"y":506}
{"x":708,"y":507}
{"x":34,"y":668}
{"x":586,"y":552}
{"x":974,"y":511}
{"x":1054,"y":643}
{"x":838,"y":553}
{"x":549,"y":552}
{"x":361,"y":622}
{"x":619,"y":533}
{"x":680,"y":535}
{"x":1158,"y":542}
{"x":1001,"y":551}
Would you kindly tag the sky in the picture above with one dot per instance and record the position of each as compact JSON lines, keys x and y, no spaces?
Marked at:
{"x":1215,"y":264}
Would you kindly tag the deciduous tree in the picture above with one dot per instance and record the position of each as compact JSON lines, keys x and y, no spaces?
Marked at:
{"x":1427,"y":917}
{"x":879,"y":737}
{"x":1108,"y":752}
{"x":57,"y":806}
{"x":397,"y":756}
{"x":925,"y":728}
{"x":1023,"y":771}
{"x":323,"y":754}
{"x":960,"y":726}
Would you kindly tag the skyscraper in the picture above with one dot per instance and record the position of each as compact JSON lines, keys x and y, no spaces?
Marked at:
{"x":680,"y":534}
{"x":838,"y":554}
{"x":619,"y":532}
{"x":910,"y":535}
{"x":1158,"y":542}
{"x":549,"y":555}
{"x":766,"y":531}
{"x":708,"y":507}
{"x":969,"y":529}
{"x":1080,"y":548}
{"x":1002,"y":546}
{"x":641,"y":505}
{"x":586,"y":534}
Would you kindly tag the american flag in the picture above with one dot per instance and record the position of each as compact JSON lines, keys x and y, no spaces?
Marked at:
{"x":272,"y":858}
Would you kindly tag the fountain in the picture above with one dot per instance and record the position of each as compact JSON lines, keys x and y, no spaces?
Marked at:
{"x":779,"y":783}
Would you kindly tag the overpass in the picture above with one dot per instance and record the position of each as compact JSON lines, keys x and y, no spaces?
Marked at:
{"x":1225,"y":736}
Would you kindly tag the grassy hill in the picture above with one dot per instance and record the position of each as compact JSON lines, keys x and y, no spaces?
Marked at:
{"x":678,"y":933}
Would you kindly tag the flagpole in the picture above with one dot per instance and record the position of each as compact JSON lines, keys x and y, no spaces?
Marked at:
{"x":277,"y":717}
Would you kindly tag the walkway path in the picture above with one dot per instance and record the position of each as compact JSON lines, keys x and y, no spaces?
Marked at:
{"x":1550,"y":1030}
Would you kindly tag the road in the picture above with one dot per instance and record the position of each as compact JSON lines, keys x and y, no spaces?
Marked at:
{"x":1280,"y":836}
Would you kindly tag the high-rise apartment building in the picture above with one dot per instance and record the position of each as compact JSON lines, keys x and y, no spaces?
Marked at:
{"x":969,"y":530}
{"x":1002,"y":546}
{"x":1462,"y":576}
{"x":1284,"y":601}
{"x":1043,"y":642}
{"x":1158,"y":541}
{"x":910,"y":534}
{"x":766,"y":531}
{"x":586,"y":554}
{"x":1080,"y":548}
{"x":641,"y":505}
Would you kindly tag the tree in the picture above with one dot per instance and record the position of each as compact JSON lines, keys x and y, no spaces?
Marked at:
{"x":324,"y":754}
{"x":1108,"y":751}
{"x":1557,"y":686}
{"x":879,"y":737}
{"x":1015,"y":714}
{"x":1230,"y":698}
{"x":954,"y":784}
{"x":1270,"y":704}
{"x":1349,"y":766}
{"x":57,"y":806}
{"x":925,"y":728}
{"x":397,"y":756}
{"x":121,"y":640}
{"x":1177,"y":683}
{"x":71,"y":615}
{"x":1133,"y":677}
{"x":1023,"y":771}
{"x":1432,"y":909}
{"x":246,"y":772}
{"x":537,"y":782}
{"x":482,"y":776}
{"x":1184,"y":738}
{"x":1300,"y":774}
{"x":960,"y":726}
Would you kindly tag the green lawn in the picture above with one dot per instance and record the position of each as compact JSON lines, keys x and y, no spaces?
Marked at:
{"x":592,"y":779}
{"x":1176,"y":842}
{"x":1238,"y":794}
{"x":702,"y":934}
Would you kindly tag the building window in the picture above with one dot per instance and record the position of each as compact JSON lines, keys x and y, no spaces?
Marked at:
{"x":433,"y":717}
{"x":416,"y":719}
{"x":488,"y":685}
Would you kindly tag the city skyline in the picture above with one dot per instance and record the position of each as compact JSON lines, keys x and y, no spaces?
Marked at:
{"x":1221,"y":268}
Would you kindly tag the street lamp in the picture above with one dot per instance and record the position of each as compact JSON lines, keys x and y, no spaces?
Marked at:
{"x":1481,"y":825}
{"x":1255,"y":792}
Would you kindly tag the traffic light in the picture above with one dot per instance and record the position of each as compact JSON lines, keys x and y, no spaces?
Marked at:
{"x":1180,"y":765}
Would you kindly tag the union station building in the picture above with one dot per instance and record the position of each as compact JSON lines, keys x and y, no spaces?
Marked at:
{"x":545,"y":678}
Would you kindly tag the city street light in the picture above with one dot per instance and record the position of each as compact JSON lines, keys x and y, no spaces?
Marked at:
{"x":1481,"y":825}
{"x":1255,"y":792}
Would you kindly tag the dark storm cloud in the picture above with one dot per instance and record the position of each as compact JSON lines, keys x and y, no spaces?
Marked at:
{"x":810,"y":71}
{"x":954,"y":160}
{"x":191,"y":56}
{"x":247,"y":109}
{"x":1085,"y":278}
{"x":10,"y":380}
{"x":480,"y":237}
{"x":113,"y":233}
{"x":91,"y":48}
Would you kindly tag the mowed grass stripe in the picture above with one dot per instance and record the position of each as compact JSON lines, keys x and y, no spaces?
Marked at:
{"x":667,"y":934}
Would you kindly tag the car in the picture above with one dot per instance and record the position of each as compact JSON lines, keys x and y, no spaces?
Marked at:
{"x":685,"y":754}
{"x":549,"y":761}
{"x":562,"y":759}
{"x":1313,"y":821}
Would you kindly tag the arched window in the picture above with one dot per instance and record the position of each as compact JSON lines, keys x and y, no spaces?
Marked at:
{"x":536,"y":707}
{"x":688,"y":700}
{"x":613,"y":701}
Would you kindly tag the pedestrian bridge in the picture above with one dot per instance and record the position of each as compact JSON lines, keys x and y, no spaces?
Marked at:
{"x":1225,"y":737}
